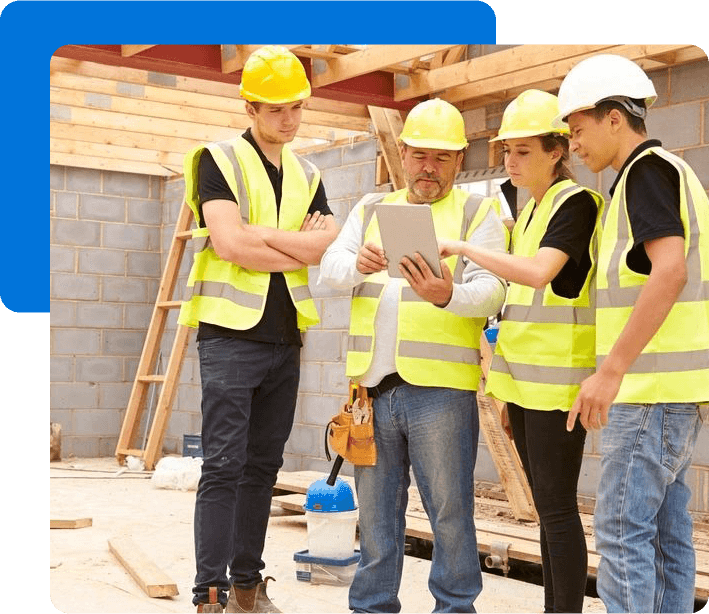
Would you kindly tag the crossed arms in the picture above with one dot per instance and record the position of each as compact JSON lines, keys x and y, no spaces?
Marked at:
{"x":261,"y":248}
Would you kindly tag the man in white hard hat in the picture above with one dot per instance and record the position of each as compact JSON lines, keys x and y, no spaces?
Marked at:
{"x":414,"y":343}
{"x":652,"y":339}
{"x":262,"y":218}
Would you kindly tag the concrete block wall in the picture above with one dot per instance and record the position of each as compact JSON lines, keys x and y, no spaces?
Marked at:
{"x":105,"y":269}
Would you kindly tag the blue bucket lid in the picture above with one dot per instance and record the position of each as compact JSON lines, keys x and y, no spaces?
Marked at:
{"x":321,"y":497}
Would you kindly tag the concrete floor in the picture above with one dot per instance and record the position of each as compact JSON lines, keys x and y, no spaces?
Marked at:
{"x":85,"y":577}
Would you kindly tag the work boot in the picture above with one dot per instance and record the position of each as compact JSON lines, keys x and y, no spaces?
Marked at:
{"x":213,"y":606}
{"x":250,"y":599}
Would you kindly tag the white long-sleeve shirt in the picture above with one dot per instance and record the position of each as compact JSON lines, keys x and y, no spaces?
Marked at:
{"x":481,"y":294}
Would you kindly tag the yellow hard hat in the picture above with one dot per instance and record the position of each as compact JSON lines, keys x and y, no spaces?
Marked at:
{"x":532,"y":113}
{"x":434,"y":124}
{"x":273,"y":75}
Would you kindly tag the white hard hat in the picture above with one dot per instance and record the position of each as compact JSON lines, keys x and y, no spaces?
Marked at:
{"x":602,"y":77}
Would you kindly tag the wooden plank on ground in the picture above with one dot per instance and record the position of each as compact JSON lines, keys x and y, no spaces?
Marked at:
{"x":69,"y":523}
{"x":154,"y":581}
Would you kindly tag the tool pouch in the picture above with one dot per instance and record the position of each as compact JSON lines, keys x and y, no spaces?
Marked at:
{"x":354,"y":442}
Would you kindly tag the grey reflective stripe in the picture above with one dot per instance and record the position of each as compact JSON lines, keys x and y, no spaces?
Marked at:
{"x":359,"y":343}
{"x":438,"y":351}
{"x":367,"y":290}
{"x":308,"y":168}
{"x":408,"y":295}
{"x":694,"y":290}
{"x":536,"y":374}
{"x":472,"y":204}
{"x":667,"y":362}
{"x":301,"y":293}
{"x":548,"y":314}
{"x":200,"y":243}
{"x":217,"y":289}
{"x":537,"y":312}
{"x":242,"y":195}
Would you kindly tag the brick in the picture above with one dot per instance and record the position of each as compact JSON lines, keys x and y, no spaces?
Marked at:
{"x":76,"y":287}
{"x":130,"y":368}
{"x":61,"y":259}
{"x":144,"y":211}
{"x":104,"y":208}
{"x":156,"y":185}
{"x":144,"y":264}
{"x":706,"y":123}
{"x":56,"y":177}
{"x":126,"y":184}
{"x":305,"y":440}
{"x":334,"y":380}
{"x":353,"y":180}
{"x":329,"y":158}
{"x":74,"y":341}
{"x":123,"y":343}
{"x":99,"y":101}
{"x":114,"y":395}
{"x":317,"y":410}
{"x":102,"y":261}
{"x":73,"y":396}
{"x":83,"y":180}
{"x":75,"y":232}
{"x":59,"y":112}
{"x":319,"y":345}
{"x":335,"y":313}
{"x":107,"y":446}
{"x":476,"y":155}
{"x":701,"y":449}
{"x":309,"y":377}
{"x":98,"y":369}
{"x":62,"y":313}
{"x":189,"y":398}
{"x":126,"y":290}
{"x":130,"y":89}
{"x":97,"y":422}
{"x":291,"y":462}
{"x":699,"y":478}
{"x":484,"y":466}
{"x":321,"y":289}
{"x":364,"y":151}
{"x":66,"y":204}
{"x":130,"y":237}
{"x":676,"y":126}
{"x":698,"y":159}
{"x":80,"y":447}
{"x":137,"y":316}
{"x":590,"y":472}
{"x":660,"y":79}
{"x":690,"y":82}
{"x":63,"y":417}
{"x":61,"y":369}
{"x":99,"y":315}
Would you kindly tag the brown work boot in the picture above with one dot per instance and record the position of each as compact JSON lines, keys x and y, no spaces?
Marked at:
{"x":213,"y":606}
{"x":250,"y":599}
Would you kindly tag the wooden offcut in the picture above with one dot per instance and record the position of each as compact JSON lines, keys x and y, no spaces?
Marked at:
{"x":70,"y":523}
{"x":154,"y":581}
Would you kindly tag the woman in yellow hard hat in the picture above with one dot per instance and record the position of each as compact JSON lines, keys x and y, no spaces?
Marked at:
{"x":545,"y":345}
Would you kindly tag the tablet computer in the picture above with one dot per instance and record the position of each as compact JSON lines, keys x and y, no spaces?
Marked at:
{"x":405,"y":230}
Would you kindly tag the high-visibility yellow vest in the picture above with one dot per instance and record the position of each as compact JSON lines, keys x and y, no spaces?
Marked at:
{"x":433,"y":346}
{"x":225,"y":293}
{"x":546,"y":342}
{"x":674,"y":366}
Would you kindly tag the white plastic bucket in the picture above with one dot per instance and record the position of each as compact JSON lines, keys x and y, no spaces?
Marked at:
{"x":331,"y":534}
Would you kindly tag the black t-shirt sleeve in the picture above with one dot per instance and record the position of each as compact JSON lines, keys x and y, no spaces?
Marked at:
{"x":571,"y":227}
{"x":319,"y":202}
{"x":652,"y":195}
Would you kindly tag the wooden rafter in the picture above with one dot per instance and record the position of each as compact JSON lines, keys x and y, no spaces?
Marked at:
{"x":388,"y":125}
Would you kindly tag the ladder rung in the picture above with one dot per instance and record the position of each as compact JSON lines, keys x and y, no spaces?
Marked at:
{"x":131,"y":452}
{"x":183,"y":234}
{"x":169,"y":304}
{"x":151,"y":378}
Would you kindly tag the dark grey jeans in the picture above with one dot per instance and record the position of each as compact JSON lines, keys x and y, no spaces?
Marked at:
{"x":249,"y":391}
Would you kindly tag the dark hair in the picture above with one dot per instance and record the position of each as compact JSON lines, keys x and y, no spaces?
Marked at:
{"x":637,"y":124}
{"x":552,"y":141}
{"x":255,"y":104}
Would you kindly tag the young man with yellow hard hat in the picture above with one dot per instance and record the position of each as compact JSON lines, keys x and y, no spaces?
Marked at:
{"x":652,"y":339}
{"x":262,"y":218}
{"x":545,"y":346}
{"x":414,"y":342}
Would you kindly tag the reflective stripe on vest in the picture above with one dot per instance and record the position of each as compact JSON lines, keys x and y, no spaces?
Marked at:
{"x":227,"y":294}
{"x":674,"y":366}
{"x":421,"y":357}
{"x":545,"y":346}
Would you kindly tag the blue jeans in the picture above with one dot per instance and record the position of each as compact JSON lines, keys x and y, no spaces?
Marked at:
{"x":435,"y":432}
{"x":249,"y":391}
{"x":643,"y":528}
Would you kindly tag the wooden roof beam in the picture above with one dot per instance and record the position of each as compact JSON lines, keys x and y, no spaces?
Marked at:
{"x":370,"y":59}
{"x":234,"y":56}
{"x":486,"y":66}
{"x":542,"y":73}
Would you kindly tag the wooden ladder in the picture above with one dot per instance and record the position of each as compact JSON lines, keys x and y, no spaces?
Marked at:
{"x":146,"y":375}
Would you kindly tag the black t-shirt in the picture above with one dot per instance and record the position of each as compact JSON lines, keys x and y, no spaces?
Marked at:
{"x":279,"y":322}
{"x":570,"y":230}
{"x":652,"y":197}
